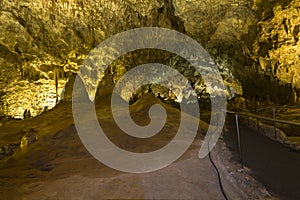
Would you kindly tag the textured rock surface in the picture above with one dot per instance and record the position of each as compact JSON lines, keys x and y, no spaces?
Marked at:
{"x":47,"y":39}
{"x":277,"y":48}
{"x":255,"y":43}
{"x":258,"y":40}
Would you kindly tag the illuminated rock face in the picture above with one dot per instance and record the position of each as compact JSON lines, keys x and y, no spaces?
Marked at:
{"x":257,"y":40}
{"x":277,"y":48}
{"x":44,"y":39}
{"x":122,"y":65}
{"x":36,"y":96}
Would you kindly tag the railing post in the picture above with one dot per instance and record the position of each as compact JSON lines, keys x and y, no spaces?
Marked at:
{"x":257,"y":123}
{"x":274,"y":117}
{"x":239,"y":139}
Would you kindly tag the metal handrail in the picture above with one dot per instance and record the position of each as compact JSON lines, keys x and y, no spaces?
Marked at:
{"x":264,"y":118}
{"x":270,"y":107}
{"x":267,"y":108}
{"x":274,"y":120}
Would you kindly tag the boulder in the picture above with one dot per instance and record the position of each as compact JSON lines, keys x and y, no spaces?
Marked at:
{"x":29,"y":138}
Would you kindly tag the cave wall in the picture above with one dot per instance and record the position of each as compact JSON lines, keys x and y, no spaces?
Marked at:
{"x":257,"y":40}
{"x":42,"y":38}
{"x":276,"y":50}
{"x":254,"y":43}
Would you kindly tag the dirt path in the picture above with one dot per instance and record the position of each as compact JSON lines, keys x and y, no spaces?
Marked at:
{"x":57,"y":165}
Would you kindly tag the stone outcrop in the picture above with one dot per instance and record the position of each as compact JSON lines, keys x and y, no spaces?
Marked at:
{"x":29,"y":138}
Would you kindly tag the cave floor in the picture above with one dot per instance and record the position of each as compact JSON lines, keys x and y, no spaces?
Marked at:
{"x":57,"y":165}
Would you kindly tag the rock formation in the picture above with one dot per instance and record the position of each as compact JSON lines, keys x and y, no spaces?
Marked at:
{"x":255,"y":43}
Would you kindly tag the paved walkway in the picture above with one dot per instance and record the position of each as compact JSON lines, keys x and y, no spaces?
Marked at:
{"x":189,"y":178}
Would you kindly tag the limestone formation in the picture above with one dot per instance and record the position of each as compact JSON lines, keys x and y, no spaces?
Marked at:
{"x":255,"y":43}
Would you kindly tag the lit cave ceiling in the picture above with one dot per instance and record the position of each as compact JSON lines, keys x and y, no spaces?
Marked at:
{"x":43,"y":43}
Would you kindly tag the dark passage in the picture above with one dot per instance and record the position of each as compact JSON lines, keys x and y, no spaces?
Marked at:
{"x":273,"y":164}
